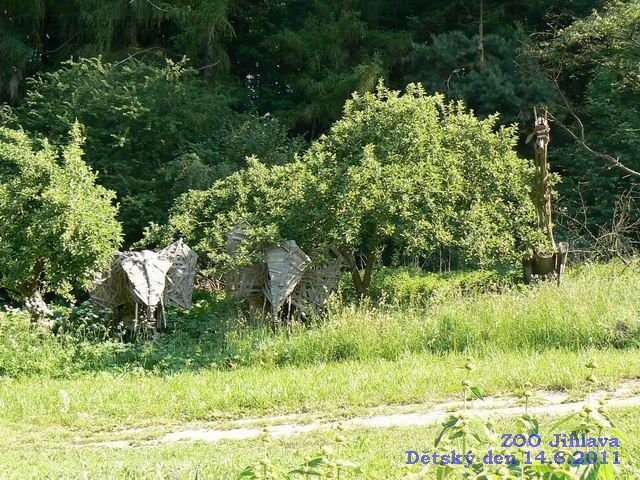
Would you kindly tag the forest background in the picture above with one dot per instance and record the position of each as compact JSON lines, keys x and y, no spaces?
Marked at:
{"x":178,"y":93}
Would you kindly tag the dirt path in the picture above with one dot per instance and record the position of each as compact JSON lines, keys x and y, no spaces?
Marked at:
{"x":547,"y":403}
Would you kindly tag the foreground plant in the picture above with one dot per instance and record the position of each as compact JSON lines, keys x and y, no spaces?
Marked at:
{"x":524,"y":454}
{"x":519,"y":454}
{"x":264,"y":469}
{"x":326,"y":464}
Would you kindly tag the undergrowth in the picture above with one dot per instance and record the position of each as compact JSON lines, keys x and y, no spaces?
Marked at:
{"x":598,"y":306}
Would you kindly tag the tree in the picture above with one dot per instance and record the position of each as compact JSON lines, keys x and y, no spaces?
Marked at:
{"x":603,"y":50}
{"x":36,"y":35}
{"x":57,"y":227}
{"x":152,"y":131}
{"x":302,"y":60}
{"x":451,"y":63}
{"x":408,"y":170}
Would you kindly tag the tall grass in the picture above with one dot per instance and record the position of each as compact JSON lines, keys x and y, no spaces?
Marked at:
{"x":597,"y":307}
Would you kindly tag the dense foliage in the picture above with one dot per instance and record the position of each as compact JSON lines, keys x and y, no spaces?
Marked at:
{"x":411,"y":172}
{"x":297,"y":59}
{"x":57,"y":227}
{"x":594,"y":63}
{"x":175,"y":95}
{"x":153,"y":132}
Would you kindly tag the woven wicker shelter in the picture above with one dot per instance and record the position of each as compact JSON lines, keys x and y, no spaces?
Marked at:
{"x":181,"y":275}
{"x":315,"y":287}
{"x":284,"y":278}
{"x":137,"y":283}
{"x":247,"y":282}
{"x":286,"y":264}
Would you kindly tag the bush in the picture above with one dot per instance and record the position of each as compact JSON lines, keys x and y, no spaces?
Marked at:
{"x":409,"y":170}
{"x":57,"y":227}
{"x":24,"y":350}
{"x":153,"y":132}
{"x":88,"y":321}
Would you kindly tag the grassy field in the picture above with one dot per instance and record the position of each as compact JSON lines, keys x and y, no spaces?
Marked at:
{"x":596,"y":308}
{"x":105,"y":401}
{"x":379,"y":452}
{"x":217,"y":365}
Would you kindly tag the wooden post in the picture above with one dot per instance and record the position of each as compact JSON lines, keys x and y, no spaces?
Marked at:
{"x":542,"y":194}
{"x":553,"y":260}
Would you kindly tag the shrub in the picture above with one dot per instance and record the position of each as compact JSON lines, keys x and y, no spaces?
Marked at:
{"x":88,"y":321}
{"x":57,"y":227}
{"x":153,"y":131}
{"x":413,"y":286}
{"x":408,"y":170}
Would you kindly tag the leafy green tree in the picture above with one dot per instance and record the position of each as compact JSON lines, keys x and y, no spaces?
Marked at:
{"x":57,"y":227}
{"x":298,"y":60}
{"x":39,"y":34}
{"x":409,"y":170}
{"x":607,"y":39}
{"x":152,"y":131}
{"x":610,"y":121}
{"x":302,"y":60}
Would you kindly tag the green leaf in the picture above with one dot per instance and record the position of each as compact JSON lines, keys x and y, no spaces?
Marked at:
{"x":476,"y":392}
{"x":443,"y":471}
{"x":446,"y":427}
{"x":562,"y":421}
{"x":349,"y":466}
{"x":248,"y":472}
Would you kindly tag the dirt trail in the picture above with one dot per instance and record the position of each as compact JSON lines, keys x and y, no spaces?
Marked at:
{"x":547,"y":403}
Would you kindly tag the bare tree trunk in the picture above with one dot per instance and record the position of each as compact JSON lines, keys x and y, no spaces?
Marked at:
{"x":481,"y":34}
{"x":210,"y":56}
{"x":542,"y":195}
{"x":361,"y":280}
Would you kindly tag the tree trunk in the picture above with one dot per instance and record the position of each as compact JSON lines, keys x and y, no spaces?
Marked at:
{"x":361,"y":280}
{"x":210,"y":55}
{"x":39,"y":311}
{"x":542,"y":197}
{"x":481,"y":34}
{"x":36,"y":306}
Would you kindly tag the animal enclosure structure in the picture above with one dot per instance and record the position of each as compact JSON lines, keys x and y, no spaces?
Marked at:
{"x":139,"y":284}
{"x":286,"y":278}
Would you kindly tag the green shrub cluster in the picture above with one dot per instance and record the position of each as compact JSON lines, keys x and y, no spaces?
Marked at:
{"x":403,"y":169}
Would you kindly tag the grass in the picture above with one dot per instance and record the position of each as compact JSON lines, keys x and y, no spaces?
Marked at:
{"x":598,"y":308}
{"x":380,"y":452}
{"x":108,"y":401}
{"x":216,"y":365}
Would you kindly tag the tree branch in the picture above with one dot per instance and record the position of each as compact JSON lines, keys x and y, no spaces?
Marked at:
{"x":152,"y":4}
{"x":613,"y":162}
{"x":135,"y":55}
